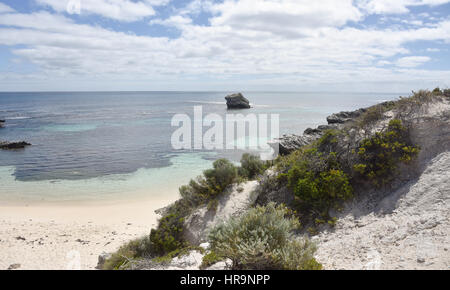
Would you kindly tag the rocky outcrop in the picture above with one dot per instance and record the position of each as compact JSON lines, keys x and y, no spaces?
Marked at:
{"x":343,"y":117}
{"x":13,"y":145}
{"x":232,"y":203}
{"x":289,"y":143}
{"x":237,"y":101}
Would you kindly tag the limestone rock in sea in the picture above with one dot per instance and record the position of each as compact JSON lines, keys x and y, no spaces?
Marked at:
{"x":237,"y":101}
{"x":13,"y":145}
{"x":2,"y":122}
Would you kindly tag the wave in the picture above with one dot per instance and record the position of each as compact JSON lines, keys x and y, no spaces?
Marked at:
{"x":208,"y":102}
{"x":18,"y":118}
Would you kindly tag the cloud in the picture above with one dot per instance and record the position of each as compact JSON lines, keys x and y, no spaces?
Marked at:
{"x":395,"y":6}
{"x":176,"y":21}
{"x":121,"y":10}
{"x":284,"y":43}
{"x":412,"y":61}
{"x":5,"y":8}
{"x":290,"y":17}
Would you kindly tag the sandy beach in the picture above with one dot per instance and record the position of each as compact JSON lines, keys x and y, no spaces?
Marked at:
{"x":70,"y":236}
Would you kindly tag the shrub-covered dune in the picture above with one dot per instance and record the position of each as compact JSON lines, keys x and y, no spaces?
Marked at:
{"x":368,"y":190}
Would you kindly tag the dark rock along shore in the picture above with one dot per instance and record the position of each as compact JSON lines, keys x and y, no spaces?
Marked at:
{"x":292,"y":142}
{"x":11,"y":145}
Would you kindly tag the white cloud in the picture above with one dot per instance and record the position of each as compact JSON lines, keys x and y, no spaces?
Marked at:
{"x":412,"y":61}
{"x":5,"y":8}
{"x":289,"y":17}
{"x":395,"y":6}
{"x":176,"y":20}
{"x":122,"y":10}
{"x":273,"y":43}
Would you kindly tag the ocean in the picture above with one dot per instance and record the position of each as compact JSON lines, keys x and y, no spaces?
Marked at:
{"x":110,"y":145}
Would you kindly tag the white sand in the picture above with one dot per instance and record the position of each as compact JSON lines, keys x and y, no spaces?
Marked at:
{"x":70,"y":236}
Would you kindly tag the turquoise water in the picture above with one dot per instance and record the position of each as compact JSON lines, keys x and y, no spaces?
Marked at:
{"x":157,"y":183}
{"x":107,"y":145}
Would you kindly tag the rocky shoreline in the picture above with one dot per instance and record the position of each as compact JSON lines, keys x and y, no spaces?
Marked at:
{"x":291,"y":142}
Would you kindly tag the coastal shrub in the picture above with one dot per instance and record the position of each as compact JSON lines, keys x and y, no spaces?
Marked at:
{"x":262,"y":239}
{"x":220,"y":176}
{"x":210,"y":259}
{"x":127,"y":253}
{"x":251,"y":166}
{"x":371,"y":116}
{"x":327,"y":142}
{"x":380,"y":154}
{"x":319,"y":192}
{"x":213,"y":182}
{"x":407,"y":107}
{"x":167,"y":237}
{"x":437,"y":92}
{"x":446,"y":93}
{"x":316,"y":179}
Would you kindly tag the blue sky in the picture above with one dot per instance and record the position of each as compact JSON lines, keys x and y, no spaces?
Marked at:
{"x":289,"y":45}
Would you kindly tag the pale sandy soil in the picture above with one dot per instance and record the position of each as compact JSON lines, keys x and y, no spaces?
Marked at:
{"x":410,"y":228}
{"x":70,"y":236}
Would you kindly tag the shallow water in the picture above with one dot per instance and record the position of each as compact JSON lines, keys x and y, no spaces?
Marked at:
{"x":105,"y":145}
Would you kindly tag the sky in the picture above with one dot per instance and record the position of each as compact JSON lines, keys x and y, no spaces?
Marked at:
{"x":226,"y":45}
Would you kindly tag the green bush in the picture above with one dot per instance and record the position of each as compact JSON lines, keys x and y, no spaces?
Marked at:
{"x":446,"y":93}
{"x":262,"y":239}
{"x":437,"y":92}
{"x":167,"y":237}
{"x":220,"y":176}
{"x":318,"y":193}
{"x":317,"y":180}
{"x":213,"y":182}
{"x":126,"y":253}
{"x":371,"y":116}
{"x":210,"y":259}
{"x":251,"y":166}
{"x":380,"y":154}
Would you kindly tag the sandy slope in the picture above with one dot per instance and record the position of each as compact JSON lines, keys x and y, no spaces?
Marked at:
{"x":410,"y":229}
{"x":70,"y":236}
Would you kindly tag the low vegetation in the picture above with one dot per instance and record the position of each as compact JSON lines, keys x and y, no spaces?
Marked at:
{"x":122,"y":258}
{"x":380,"y":155}
{"x":166,"y":241}
{"x":262,"y":239}
{"x":252,"y":166}
{"x":315,"y":176}
{"x":210,"y":259}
